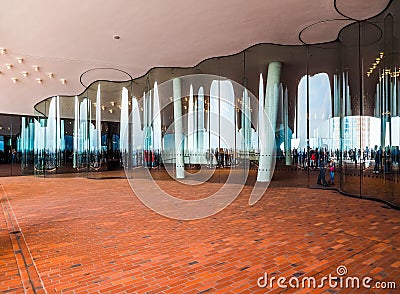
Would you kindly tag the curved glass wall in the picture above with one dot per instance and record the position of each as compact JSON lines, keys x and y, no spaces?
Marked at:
{"x":334,"y":104}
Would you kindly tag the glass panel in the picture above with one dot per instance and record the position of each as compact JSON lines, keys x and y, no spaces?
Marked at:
{"x":327,"y":104}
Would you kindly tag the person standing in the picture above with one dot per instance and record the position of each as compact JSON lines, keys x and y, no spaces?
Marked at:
{"x":332,"y":171}
{"x":321,"y":176}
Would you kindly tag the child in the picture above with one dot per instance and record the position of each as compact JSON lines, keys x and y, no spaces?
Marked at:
{"x":332,"y":171}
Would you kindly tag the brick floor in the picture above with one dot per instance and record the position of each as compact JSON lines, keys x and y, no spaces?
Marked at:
{"x":90,"y":236}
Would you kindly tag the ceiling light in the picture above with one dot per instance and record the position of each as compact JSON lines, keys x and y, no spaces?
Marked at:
{"x":51,"y":75}
{"x":103,"y":107}
{"x":381,"y":54}
{"x":116,"y":37}
{"x":20,"y":60}
{"x":36,"y":67}
{"x":112,"y":103}
{"x":63,"y":81}
{"x":14,"y":80}
{"x":24,"y":74}
{"x":1,"y":127}
{"x":111,"y":111}
{"x":9,"y":66}
{"x":3,"y":50}
{"x":39,"y":80}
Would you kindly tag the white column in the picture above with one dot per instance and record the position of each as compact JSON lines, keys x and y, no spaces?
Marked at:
{"x":336,"y":100}
{"x":347,"y":95}
{"x":200,"y":120}
{"x":137,"y":133}
{"x":286,"y":127}
{"x":145,"y":147}
{"x":76,"y":132}
{"x":98,"y":120}
{"x":157,"y":140}
{"x":261,"y":175}
{"x":246,"y":122}
{"x":124,"y":133}
{"x":267,"y":127}
{"x":394,"y":98}
{"x":58,"y":131}
{"x":190,"y":123}
{"x":179,"y":163}
{"x":195,"y":133}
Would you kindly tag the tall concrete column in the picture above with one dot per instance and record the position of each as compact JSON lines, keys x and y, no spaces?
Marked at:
{"x":336,"y":95}
{"x":377,"y":102}
{"x":393,"y":94}
{"x":267,"y":122}
{"x":246,"y":122}
{"x":145,"y":110}
{"x":179,"y":162}
{"x":200,"y":120}
{"x":286,"y":127}
{"x":346,"y":95}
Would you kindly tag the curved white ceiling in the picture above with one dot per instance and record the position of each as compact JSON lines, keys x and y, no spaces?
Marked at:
{"x":68,"y":38}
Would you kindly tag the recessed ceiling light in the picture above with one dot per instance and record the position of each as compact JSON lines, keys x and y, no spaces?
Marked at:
{"x":51,"y":75}
{"x":36,"y":67}
{"x":39,"y":80}
{"x":116,"y":37}
{"x":25,"y":74}
{"x":20,"y":60}
{"x":103,"y":107}
{"x":9,"y":66}
{"x":14,"y":80}
{"x":3,"y":50}
{"x":63,"y":81}
{"x":112,"y":103}
{"x":111,"y":111}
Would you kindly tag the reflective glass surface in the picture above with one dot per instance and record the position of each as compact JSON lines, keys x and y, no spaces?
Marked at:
{"x":333,"y":110}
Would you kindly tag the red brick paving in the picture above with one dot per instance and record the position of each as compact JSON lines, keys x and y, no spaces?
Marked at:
{"x":89,"y":236}
{"x":10,"y":279}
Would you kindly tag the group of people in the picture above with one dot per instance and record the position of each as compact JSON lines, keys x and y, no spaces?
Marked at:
{"x":223,"y":156}
{"x":384,"y":158}
{"x":321,"y":180}
{"x":300,"y":157}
